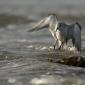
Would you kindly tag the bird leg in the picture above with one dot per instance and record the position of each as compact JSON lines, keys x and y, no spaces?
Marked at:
{"x":60,"y":45}
{"x":54,"y":45}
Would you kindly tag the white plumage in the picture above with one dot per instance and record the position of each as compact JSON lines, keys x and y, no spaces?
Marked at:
{"x":61,"y":31}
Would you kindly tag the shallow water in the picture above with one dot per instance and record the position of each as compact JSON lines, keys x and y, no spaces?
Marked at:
{"x":25,"y":58}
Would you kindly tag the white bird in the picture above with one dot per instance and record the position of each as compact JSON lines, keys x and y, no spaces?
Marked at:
{"x":61,"y":31}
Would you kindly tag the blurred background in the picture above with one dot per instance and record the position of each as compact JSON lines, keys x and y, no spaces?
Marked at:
{"x":28,"y":58}
{"x":34,"y":7}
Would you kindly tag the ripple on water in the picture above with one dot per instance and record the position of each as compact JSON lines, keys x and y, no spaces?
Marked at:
{"x":39,"y":47}
{"x":11,"y":26}
{"x":12,"y":80}
{"x":44,"y":48}
{"x":11,"y":64}
{"x":30,"y":46}
{"x":57,"y":80}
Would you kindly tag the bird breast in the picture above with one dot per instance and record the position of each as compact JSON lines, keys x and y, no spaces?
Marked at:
{"x":59,"y":36}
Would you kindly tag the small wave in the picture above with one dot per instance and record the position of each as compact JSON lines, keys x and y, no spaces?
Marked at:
{"x":22,"y":40}
{"x":14,"y":81}
{"x":30,"y":46}
{"x":51,"y":47}
{"x":44,"y":81}
{"x":11,"y":65}
{"x":44,"y":48}
{"x":39,"y":47}
{"x":48,"y":80}
{"x":11,"y":80}
{"x":58,"y":80}
{"x":11,"y":26}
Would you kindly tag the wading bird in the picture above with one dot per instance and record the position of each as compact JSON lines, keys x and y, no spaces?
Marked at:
{"x":61,"y":31}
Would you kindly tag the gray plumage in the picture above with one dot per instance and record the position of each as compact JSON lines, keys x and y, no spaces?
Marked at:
{"x":73,"y":32}
{"x":61,"y":31}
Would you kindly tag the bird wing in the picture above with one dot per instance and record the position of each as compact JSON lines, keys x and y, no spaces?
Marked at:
{"x":40,"y":25}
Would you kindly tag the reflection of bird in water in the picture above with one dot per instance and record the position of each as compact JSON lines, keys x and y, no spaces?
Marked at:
{"x":60,"y":31}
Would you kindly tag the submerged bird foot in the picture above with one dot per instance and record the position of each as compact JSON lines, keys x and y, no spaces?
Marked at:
{"x":59,"y":48}
{"x":54,"y":47}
